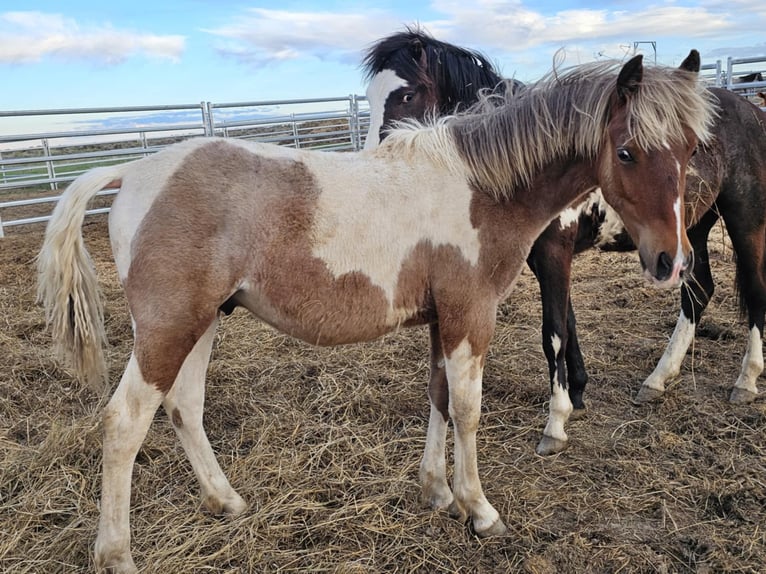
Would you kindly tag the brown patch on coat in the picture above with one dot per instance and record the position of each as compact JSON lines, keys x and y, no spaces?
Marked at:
{"x":176,"y":418}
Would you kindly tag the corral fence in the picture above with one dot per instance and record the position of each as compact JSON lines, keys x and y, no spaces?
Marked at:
{"x":41,"y":151}
{"x":36,"y":163}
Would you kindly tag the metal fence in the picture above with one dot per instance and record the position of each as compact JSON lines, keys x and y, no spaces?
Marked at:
{"x":35,"y":164}
{"x":732,"y":76}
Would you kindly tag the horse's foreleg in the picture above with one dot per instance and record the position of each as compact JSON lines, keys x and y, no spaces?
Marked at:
{"x":464,"y":367}
{"x":126,"y":420}
{"x":184,"y":405}
{"x":695,"y":295}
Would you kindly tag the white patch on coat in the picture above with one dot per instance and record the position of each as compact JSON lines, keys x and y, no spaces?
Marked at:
{"x":378,"y":90}
{"x":572,"y":214}
{"x":422,"y":203}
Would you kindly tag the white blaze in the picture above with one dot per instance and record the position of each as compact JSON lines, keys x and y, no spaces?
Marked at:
{"x":381,"y":85}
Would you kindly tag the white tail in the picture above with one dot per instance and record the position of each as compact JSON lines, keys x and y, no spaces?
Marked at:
{"x":67,"y":282}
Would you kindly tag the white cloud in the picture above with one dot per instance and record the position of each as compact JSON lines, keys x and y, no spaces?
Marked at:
{"x":263,"y":36}
{"x":27,"y":37}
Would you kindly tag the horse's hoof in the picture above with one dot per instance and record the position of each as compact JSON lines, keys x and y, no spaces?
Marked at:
{"x":578,"y":414}
{"x":742,"y":396}
{"x":549,"y":445}
{"x":498,"y":528}
{"x":232,"y":505}
{"x":122,"y":564}
{"x":647,"y":394}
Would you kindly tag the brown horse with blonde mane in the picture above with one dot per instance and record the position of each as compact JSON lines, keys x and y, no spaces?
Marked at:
{"x":431,"y":228}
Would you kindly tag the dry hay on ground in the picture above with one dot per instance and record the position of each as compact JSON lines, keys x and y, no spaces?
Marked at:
{"x":325,"y":444}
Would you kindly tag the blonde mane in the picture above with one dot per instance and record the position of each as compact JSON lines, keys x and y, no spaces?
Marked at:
{"x":504,"y":141}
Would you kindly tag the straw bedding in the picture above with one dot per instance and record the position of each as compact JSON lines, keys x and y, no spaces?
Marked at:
{"x":325,"y":444}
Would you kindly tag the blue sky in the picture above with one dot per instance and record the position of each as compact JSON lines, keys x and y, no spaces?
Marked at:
{"x":56,"y":54}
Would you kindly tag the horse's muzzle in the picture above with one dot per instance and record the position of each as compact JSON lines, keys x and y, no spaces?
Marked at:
{"x":669,"y":271}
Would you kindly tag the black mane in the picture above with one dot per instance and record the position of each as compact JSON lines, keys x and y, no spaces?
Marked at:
{"x":457,"y":73}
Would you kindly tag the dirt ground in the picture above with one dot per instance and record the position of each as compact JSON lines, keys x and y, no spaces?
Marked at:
{"x":325,"y":444}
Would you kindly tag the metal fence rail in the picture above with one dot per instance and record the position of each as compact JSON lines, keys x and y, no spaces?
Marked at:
{"x":35,"y":165}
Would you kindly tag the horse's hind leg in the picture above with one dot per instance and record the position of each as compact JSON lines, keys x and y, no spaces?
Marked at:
{"x":551,"y":261}
{"x":126,"y":420}
{"x":184,"y":405}
{"x":695,"y":296}
{"x":751,"y":282}
{"x":433,"y":468}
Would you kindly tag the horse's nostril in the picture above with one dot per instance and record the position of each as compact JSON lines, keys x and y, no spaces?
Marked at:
{"x":664,"y":266}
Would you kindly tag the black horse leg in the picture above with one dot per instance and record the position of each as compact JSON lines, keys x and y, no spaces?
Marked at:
{"x":577,"y":376}
{"x":551,"y":261}
{"x":695,"y":295}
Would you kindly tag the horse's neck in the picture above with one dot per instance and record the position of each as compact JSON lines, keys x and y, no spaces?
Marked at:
{"x":561,"y":185}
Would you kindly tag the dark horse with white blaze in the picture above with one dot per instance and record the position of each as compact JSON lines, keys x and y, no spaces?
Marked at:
{"x":431,"y":228}
{"x":726,"y":179}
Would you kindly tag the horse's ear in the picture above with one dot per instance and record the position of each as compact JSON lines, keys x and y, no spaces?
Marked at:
{"x":630,"y":77}
{"x":692,"y":62}
{"x":418,"y":53}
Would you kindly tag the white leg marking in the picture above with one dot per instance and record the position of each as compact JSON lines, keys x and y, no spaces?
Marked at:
{"x":433,"y":467}
{"x":670,"y":363}
{"x":126,"y":420}
{"x":560,"y":406}
{"x":384,"y":82}
{"x":464,"y":373}
{"x":184,"y":405}
{"x":752,"y":363}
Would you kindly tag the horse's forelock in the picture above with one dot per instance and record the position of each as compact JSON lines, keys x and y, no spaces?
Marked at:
{"x":669,"y":101}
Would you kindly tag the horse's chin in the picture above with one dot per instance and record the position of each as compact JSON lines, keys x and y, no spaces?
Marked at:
{"x":668,"y":283}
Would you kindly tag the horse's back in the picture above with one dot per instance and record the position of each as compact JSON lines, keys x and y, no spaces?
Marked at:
{"x":328,"y":247}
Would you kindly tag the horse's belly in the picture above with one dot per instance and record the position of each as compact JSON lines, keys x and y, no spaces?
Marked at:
{"x":327,"y":316}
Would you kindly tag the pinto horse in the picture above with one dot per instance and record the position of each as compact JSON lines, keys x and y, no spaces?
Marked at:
{"x":431,"y":228}
{"x":726,"y":179}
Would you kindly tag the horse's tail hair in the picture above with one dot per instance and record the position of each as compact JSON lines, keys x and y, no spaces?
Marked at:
{"x":67,"y":282}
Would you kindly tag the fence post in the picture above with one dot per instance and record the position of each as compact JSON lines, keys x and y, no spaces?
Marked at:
{"x":296,"y":140}
{"x":207,"y":118}
{"x":49,"y":163}
{"x":729,"y":75}
{"x":356,"y":137}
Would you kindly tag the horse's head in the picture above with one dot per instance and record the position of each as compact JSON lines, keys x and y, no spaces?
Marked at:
{"x":401,"y":89}
{"x":651,"y":135}
{"x":413,"y":75}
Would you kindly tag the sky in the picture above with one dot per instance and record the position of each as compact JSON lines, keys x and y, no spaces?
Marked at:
{"x":73,"y":53}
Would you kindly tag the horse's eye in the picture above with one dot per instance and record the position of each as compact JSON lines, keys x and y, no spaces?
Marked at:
{"x":407,"y":98}
{"x":694,"y":151}
{"x":624,"y":155}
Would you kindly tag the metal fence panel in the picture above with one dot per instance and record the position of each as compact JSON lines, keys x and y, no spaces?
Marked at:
{"x":36,"y":163}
